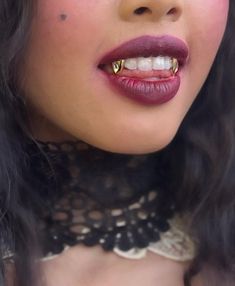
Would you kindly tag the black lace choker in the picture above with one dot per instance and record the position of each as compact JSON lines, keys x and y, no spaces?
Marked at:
{"x":118,"y":201}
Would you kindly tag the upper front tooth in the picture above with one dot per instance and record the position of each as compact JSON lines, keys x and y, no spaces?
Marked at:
{"x":145,"y":64}
{"x":159,"y":63}
{"x":150,"y":63}
{"x":131,"y":64}
{"x":168,"y":63}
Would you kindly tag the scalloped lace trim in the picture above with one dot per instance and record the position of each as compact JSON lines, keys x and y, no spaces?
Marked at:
{"x":175,"y":244}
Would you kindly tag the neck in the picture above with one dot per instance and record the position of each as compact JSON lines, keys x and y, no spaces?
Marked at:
{"x":116,"y":200}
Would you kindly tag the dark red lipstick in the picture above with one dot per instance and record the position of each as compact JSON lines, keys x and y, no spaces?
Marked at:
{"x":146,"y":90}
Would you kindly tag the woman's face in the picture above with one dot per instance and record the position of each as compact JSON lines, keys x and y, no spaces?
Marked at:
{"x":70,"y":97}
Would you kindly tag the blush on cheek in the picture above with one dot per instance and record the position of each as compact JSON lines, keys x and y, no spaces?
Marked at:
{"x":218,"y":27}
{"x":219,"y":12}
{"x":212,"y":19}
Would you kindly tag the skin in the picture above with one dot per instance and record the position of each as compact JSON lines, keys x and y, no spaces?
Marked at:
{"x":67,"y":98}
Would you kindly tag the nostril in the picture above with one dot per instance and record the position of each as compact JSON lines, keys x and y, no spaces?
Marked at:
{"x":172,"y":11}
{"x":142,"y":10}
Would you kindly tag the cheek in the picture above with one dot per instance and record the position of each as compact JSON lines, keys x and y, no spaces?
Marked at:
{"x":62,"y":30}
{"x":208,"y":22}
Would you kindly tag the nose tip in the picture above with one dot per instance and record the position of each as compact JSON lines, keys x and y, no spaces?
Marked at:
{"x":150,"y":10}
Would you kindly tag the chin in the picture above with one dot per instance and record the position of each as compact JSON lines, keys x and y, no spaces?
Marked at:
{"x":133,"y":145}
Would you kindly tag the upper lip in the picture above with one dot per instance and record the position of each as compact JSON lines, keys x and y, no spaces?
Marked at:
{"x":147,"y":46}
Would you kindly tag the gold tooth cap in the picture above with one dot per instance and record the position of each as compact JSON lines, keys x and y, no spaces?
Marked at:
{"x":118,"y":66}
{"x":175,"y":65}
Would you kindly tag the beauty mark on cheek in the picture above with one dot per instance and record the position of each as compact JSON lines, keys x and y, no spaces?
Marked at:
{"x":63,"y":17}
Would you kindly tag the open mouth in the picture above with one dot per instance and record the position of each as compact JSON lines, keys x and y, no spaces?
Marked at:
{"x":146,"y":69}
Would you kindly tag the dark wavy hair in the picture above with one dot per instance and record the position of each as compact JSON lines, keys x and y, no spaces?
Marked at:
{"x":201,"y":160}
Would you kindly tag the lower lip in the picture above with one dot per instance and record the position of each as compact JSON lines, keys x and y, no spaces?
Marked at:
{"x":146,"y":92}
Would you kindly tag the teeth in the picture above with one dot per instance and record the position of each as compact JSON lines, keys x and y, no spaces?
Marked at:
{"x":168,"y":63}
{"x":162,"y":63}
{"x":159,"y":63}
{"x":131,"y":64}
{"x":146,"y":64}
